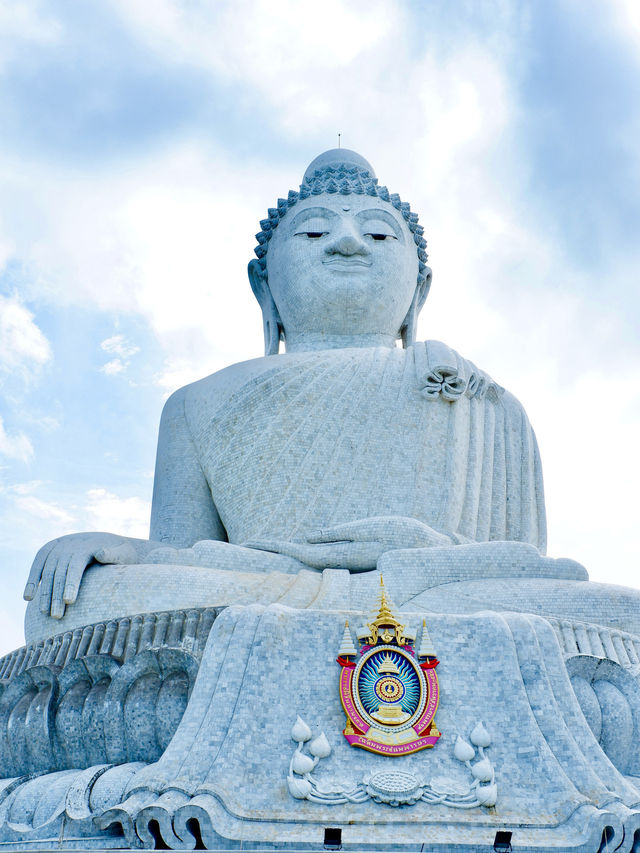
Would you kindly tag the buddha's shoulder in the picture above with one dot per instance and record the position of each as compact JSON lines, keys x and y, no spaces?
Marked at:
{"x":213,"y":391}
{"x":437,"y":371}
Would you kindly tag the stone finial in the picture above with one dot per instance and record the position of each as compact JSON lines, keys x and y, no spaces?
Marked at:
{"x":347,"y":648}
{"x":426,"y":646}
{"x":385,"y":624}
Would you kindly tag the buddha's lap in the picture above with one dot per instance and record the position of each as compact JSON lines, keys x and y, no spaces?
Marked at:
{"x":114,"y":591}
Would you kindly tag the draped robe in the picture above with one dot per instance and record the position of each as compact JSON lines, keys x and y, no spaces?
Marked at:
{"x":313,"y":439}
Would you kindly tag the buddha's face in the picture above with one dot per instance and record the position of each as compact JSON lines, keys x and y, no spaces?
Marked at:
{"x":342,"y":265}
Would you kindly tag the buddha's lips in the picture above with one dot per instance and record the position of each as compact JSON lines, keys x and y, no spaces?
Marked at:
{"x":347,"y":263}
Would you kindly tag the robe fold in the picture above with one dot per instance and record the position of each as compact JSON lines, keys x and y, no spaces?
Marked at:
{"x":315,"y":439}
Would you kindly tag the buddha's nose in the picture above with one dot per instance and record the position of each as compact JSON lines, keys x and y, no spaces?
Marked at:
{"x":347,"y":242}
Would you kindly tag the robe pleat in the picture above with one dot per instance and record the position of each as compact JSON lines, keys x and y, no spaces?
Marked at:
{"x":343,"y":435}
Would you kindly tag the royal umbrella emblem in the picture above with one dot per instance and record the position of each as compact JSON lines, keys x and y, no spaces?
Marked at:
{"x":389,"y":694}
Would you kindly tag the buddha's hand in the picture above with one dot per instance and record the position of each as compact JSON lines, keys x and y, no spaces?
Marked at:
{"x":358,"y":545}
{"x":60,"y":564}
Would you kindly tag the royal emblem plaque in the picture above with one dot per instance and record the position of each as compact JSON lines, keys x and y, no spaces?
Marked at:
{"x":388,"y":691}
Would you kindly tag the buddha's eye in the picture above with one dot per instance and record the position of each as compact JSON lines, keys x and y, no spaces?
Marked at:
{"x":377,"y":236}
{"x":312,"y":235}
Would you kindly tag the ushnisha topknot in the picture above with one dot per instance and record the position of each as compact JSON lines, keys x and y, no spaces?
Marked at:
{"x":344,"y":178}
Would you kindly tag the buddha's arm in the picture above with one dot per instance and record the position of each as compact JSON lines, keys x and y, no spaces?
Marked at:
{"x":182,"y":512}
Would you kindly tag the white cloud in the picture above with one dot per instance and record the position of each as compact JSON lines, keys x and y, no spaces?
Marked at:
{"x":30,"y":509}
{"x":169,"y":243}
{"x":7,"y":249}
{"x":591,"y":464}
{"x":170,"y":239}
{"x":291,"y":60}
{"x":22,"y":22}
{"x":628,"y":14}
{"x":23,"y":347}
{"x":23,"y":488}
{"x":118,"y":345}
{"x":113,"y":514}
{"x":274,"y":47}
{"x":176,"y":373}
{"x":47,"y":423}
{"x":17,"y":446}
{"x":45,"y":510}
{"x":113,"y":367}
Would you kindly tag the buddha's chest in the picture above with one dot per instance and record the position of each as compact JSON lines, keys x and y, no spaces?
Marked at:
{"x":329,"y":442}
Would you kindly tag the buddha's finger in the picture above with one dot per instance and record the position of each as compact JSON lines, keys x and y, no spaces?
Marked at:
{"x":355,"y":556}
{"x":75,"y":569}
{"x":59,"y":580}
{"x":337,"y":533}
{"x":117,"y":554}
{"x":46,"y":582}
{"x":362,"y":530}
{"x":390,"y":530}
{"x":36,"y":571}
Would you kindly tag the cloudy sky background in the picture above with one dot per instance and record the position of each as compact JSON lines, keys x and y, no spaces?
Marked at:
{"x":141,"y":142}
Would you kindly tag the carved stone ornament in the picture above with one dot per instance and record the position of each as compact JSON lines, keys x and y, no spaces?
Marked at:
{"x":389,"y":695}
{"x":395,"y":787}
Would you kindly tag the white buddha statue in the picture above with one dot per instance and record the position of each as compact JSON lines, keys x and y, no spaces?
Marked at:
{"x":347,"y":451}
{"x":298,"y":479}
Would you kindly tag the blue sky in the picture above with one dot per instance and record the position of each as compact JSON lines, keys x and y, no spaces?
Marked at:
{"x":141,"y":143}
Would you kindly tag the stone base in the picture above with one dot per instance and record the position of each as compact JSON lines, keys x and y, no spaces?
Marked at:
{"x":226,"y":780}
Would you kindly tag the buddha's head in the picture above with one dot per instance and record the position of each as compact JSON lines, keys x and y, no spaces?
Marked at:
{"x":341,"y":260}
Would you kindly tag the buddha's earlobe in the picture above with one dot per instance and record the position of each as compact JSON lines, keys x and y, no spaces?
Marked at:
{"x":410,"y":322}
{"x":271,"y":322}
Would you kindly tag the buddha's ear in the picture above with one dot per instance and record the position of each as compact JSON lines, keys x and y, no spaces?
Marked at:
{"x":410,"y":322}
{"x":272,"y":324}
